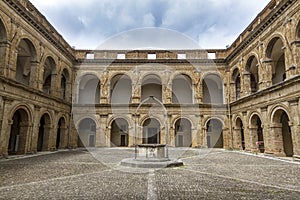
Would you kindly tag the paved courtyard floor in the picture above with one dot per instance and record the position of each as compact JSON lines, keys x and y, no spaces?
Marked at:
{"x":96,"y":174}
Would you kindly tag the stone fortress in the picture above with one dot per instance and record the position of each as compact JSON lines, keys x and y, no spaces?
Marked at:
{"x":245,"y":97}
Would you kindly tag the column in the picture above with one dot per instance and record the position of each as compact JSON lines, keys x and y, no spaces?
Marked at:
{"x":131,"y":136}
{"x":102,"y":134}
{"x":54,"y":90}
{"x":136,"y":93}
{"x":247,"y":83}
{"x":167,"y":93}
{"x":253,"y":139}
{"x":194,"y":137}
{"x":276,"y":136}
{"x":266,"y":72}
{"x":232,"y":92}
{"x":237,"y":140}
{"x":294,"y":125}
{"x":5,"y":126}
{"x":34,"y":80}
{"x":204,"y":138}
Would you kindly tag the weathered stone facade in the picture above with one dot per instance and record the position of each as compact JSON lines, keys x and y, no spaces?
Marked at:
{"x":246,"y":98}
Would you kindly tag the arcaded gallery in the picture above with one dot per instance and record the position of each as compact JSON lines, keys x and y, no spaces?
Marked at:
{"x":245,"y":97}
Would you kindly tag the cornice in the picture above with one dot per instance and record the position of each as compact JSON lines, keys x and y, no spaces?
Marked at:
{"x":266,"y":22}
{"x":59,"y":43}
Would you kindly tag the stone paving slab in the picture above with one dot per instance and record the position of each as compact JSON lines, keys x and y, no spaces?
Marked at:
{"x":96,"y":174}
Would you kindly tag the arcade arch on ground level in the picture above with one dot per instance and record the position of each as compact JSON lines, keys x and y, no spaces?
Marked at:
{"x":119,"y":133}
{"x":86,"y":133}
{"x":214,"y":134}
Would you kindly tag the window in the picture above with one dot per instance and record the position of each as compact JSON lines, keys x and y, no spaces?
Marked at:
{"x":90,"y":56}
{"x":181,"y":56}
{"x":211,"y":55}
{"x":121,"y":56}
{"x":151,"y":56}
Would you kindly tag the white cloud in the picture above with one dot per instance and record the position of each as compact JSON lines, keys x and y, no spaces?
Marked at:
{"x":214,"y":23}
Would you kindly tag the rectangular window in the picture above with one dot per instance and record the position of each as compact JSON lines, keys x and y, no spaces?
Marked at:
{"x":151,"y":56}
{"x":211,"y":55}
{"x":181,"y":56}
{"x":90,"y":56}
{"x":121,"y":56}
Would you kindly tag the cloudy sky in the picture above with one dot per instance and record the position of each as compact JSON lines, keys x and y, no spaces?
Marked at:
{"x":210,"y":23}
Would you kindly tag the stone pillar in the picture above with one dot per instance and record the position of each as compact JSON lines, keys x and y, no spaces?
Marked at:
{"x":68,"y":92}
{"x":266,"y":73}
{"x":34,"y":70}
{"x":167,"y":93}
{"x":131,"y":136}
{"x":108,"y":136}
{"x":294,"y":125}
{"x":194,"y":137}
{"x":54,"y":91}
{"x":232,"y":92}
{"x":172,"y":137}
{"x":136,"y":93}
{"x":227,"y":140}
{"x":102,"y":133}
{"x":4,"y":50}
{"x":197,"y":88}
{"x":237,"y":140}
{"x":276,"y":136}
{"x":204,"y":138}
{"x":199,"y":132}
{"x":63,"y":137}
{"x":253,"y":139}
{"x":48,"y":139}
{"x":5,"y":126}
{"x":104,"y":91}
{"x":247,"y":84}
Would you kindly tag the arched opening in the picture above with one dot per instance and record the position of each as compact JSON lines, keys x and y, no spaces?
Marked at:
{"x":18,"y":133}
{"x":252,"y":69}
{"x":62,"y":136}
{"x":89,"y":90}
{"x":183,"y":133}
{"x":257,"y":133}
{"x":182,"y":90}
{"x":121,"y":89}
{"x":151,"y":131}
{"x":236,"y":78}
{"x":44,"y":133}
{"x":275,"y":52}
{"x":3,"y":44}
{"x":119,"y":133}
{"x":64,"y":79}
{"x":87,"y":133}
{"x":25,"y":59}
{"x":49,"y":75}
{"x":151,"y":86}
{"x":281,"y":120}
{"x":212,"y":89}
{"x":240,"y":134}
{"x":214,"y":134}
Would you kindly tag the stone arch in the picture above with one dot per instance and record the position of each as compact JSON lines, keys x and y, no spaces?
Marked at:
{"x":119,"y":132}
{"x":49,"y":75}
{"x":89,"y":89}
{"x":26,"y":61}
{"x":44,"y":134}
{"x":19,"y":128}
{"x":275,"y":52}
{"x":252,"y":76}
{"x":120,"y":89}
{"x":256,"y":132}
{"x":183,"y":133}
{"x":182,"y":89}
{"x":281,"y":128}
{"x":212,"y":89}
{"x":236,"y":83}
{"x":128,"y":120}
{"x":151,"y":133}
{"x":214,"y":133}
{"x":151,"y":86}
{"x":182,"y":117}
{"x":86,"y":132}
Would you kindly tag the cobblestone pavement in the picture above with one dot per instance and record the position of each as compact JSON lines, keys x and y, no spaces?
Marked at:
{"x":96,"y":174}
